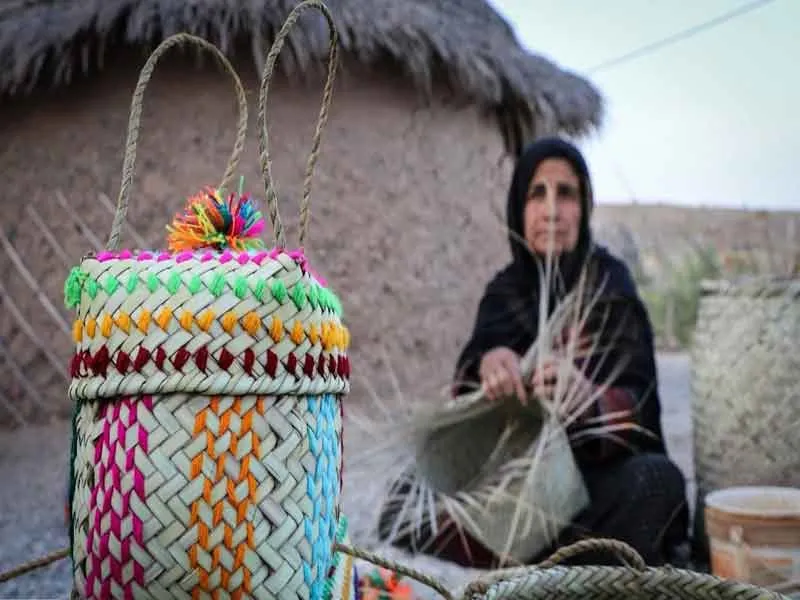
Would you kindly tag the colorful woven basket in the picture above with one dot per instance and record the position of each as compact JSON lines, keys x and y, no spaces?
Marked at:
{"x":207,"y":382}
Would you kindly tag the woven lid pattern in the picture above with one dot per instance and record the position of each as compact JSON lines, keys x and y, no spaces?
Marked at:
{"x":204,"y":322}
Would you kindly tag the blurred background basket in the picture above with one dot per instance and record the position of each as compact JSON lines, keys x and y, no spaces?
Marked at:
{"x":746,"y":397}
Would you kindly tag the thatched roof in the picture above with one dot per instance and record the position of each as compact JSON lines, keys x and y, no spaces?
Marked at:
{"x":463,"y":42}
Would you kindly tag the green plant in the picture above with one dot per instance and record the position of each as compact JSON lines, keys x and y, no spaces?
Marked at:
{"x":672,"y":299}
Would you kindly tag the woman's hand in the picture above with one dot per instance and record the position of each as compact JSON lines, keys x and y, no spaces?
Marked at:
{"x":576,"y":389}
{"x":500,"y":374}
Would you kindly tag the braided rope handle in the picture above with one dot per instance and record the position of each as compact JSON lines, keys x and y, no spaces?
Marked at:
{"x":378,"y":560}
{"x":620,"y":550}
{"x":263,"y":133}
{"x":627,"y":555}
{"x":481,"y":585}
{"x":135,"y":119}
{"x":477,"y":588}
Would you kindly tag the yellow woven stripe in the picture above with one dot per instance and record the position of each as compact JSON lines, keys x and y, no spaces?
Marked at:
{"x":330,"y":333}
{"x":91,"y":324}
{"x":230,"y":440}
{"x":348,"y":577}
{"x":77,"y":331}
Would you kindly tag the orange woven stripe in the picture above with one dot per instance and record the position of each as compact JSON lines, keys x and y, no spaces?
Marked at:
{"x":223,"y":421}
{"x":164,"y":317}
{"x":205,"y":319}
{"x":186,"y":320}
{"x":244,"y":468}
{"x":241,"y":514}
{"x":197,"y":466}
{"x":239,"y":557}
{"x":332,"y":333}
{"x":229,"y":322}
{"x":143,"y":322}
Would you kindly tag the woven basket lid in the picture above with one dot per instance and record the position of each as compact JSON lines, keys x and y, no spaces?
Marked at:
{"x":206,"y":322}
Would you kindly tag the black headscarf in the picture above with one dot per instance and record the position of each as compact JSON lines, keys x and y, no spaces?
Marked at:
{"x":508,"y":314}
{"x":524,"y":262}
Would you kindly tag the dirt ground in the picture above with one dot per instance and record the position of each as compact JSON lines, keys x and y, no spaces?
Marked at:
{"x":33,"y":469}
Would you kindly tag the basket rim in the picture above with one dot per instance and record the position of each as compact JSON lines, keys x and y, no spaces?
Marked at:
{"x":605,"y":579}
{"x":752,"y":286}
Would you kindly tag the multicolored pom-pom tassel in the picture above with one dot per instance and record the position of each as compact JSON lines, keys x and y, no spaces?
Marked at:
{"x":211,"y":221}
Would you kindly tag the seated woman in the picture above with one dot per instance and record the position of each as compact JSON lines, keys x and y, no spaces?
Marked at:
{"x":637,"y":494}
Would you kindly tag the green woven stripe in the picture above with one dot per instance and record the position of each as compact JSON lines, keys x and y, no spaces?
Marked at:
{"x":262,"y":289}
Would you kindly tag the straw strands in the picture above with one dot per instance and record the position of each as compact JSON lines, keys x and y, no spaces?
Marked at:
{"x":471,"y":460}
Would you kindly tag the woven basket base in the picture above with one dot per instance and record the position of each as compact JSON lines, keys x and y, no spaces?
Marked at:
{"x":192,"y":496}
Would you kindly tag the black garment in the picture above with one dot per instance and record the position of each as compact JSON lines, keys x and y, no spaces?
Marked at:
{"x":639,"y":500}
{"x":635,"y":489}
{"x":618,"y":318}
{"x":509,"y":312}
{"x":524,"y":264}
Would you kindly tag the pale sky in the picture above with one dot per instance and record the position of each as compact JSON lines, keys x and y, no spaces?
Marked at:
{"x":709,"y":120}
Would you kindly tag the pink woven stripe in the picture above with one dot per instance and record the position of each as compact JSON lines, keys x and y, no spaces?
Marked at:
{"x":115,"y":528}
{"x":297,"y":255}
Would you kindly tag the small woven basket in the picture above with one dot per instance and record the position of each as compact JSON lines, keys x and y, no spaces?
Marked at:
{"x":745,"y":397}
{"x":551,"y":579}
{"x":207,"y":384}
{"x":599,"y":583}
{"x":502,"y":472}
{"x":463,"y":457}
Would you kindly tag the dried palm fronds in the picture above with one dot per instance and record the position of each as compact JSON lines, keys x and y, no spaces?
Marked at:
{"x":502,"y":472}
{"x":464,"y":45}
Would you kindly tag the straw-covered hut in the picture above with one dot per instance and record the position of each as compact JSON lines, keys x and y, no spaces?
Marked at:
{"x":430,"y":97}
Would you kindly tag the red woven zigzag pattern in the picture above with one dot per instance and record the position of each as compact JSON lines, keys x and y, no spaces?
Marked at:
{"x":85,"y":364}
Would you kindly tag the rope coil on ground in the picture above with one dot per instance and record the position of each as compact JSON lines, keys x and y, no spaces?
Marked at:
{"x":549,"y":579}
{"x":557,"y":557}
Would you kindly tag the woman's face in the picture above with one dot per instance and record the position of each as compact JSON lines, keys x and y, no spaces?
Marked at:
{"x":552,"y":214}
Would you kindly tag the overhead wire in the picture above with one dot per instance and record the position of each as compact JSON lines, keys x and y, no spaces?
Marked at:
{"x":678,"y":36}
{"x":667,"y":41}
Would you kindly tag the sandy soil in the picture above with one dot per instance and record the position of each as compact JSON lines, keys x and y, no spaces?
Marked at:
{"x":33,"y":465}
